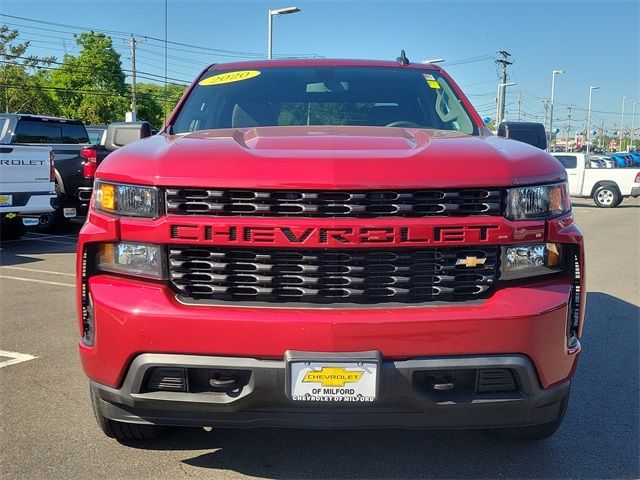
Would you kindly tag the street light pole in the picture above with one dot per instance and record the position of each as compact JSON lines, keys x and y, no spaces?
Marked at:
{"x":270,"y":14}
{"x":624,"y":99}
{"x":591,"y":89}
{"x":502,"y":90}
{"x":553,"y":91}
{"x":633,"y":116}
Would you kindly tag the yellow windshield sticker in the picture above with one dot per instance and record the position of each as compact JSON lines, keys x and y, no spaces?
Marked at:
{"x":230,"y":77}
{"x":433,"y":84}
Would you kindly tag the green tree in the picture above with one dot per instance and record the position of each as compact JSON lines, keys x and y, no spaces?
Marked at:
{"x":91,"y":86}
{"x":23,"y":85}
{"x":151,"y":101}
{"x":172,"y":93}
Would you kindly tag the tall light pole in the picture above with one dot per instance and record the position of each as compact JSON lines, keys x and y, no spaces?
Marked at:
{"x":633,"y":116}
{"x":591,"y":89}
{"x":277,"y":11}
{"x":553,"y":91}
{"x":502,"y":90}
{"x":624,"y":99}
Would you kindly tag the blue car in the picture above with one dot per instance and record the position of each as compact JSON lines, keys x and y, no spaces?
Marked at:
{"x":620,"y":161}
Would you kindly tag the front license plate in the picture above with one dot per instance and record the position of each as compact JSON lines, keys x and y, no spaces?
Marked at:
{"x":333,"y":381}
{"x":6,"y":200}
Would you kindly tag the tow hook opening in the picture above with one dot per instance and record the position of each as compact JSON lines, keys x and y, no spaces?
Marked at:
{"x":196,"y":380}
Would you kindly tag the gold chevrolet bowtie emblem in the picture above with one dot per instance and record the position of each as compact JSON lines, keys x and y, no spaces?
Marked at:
{"x":471,"y":261}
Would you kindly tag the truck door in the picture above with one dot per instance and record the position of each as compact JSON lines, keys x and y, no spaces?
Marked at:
{"x":574,"y":172}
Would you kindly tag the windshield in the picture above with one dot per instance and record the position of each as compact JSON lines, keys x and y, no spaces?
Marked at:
{"x":285,"y":96}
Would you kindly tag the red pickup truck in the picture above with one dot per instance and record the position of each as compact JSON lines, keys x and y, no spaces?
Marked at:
{"x":329,"y":243}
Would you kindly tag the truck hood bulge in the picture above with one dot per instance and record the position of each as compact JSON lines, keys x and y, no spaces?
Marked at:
{"x":321,"y":157}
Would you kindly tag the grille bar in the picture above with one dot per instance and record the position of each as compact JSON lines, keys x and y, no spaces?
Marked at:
{"x":331,"y":276}
{"x":334,"y":204}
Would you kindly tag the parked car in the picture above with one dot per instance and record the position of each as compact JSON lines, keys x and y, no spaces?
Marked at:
{"x":26,"y":185}
{"x":329,"y":243}
{"x":70,"y":143}
{"x":607,"y":187}
{"x":603,"y":160}
{"x":96,"y":133}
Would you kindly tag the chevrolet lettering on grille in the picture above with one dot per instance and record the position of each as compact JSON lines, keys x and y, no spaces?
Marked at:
{"x":337,"y":236}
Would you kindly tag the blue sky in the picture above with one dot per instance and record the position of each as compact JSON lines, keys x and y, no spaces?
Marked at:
{"x":595,"y":42}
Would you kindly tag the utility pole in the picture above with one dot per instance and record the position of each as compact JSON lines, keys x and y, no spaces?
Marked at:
{"x":519,"y":105}
{"x":503,"y":63}
{"x":632,"y":133}
{"x":566,"y":138}
{"x":624,"y":99}
{"x":546,"y":111}
{"x":134,"y":107}
{"x":602,"y":135}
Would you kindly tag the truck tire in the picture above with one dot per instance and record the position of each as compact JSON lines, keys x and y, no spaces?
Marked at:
{"x":11,"y":228}
{"x":607,"y":196}
{"x":125,"y":432}
{"x":535,"y":432}
{"x":54,"y":222}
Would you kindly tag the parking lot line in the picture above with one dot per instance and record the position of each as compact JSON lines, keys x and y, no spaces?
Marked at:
{"x":40,"y":239}
{"x":14,"y":357}
{"x":50,"y":272}
{"x":33,"y":280}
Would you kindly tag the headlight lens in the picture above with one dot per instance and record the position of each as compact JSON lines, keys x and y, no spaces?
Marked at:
{"x":129,"y":200}
{"x":132,"y":259}
{"x":542,"y":201}
{"x":530,"y":260}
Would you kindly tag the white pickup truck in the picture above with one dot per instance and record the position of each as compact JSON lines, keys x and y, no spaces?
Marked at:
{"x":607,"y":186}
{"x":27,"y":187}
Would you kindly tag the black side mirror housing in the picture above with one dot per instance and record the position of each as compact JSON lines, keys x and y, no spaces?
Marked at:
{"x":527,"y":132}
{"x":120,"y":134}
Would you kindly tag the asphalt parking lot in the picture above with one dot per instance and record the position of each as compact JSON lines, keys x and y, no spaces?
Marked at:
{"x":48,"y":431}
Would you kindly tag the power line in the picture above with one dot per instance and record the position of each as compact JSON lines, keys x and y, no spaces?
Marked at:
{"x":92,"y":69}
{"x":220,"y":52}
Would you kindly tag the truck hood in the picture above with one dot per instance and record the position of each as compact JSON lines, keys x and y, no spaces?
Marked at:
{"x":320,"y":157}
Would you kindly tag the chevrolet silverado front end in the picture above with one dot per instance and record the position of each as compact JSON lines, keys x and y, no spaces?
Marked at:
{"x":329,"y":243}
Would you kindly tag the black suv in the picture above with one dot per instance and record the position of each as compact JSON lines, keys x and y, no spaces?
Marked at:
{"x":73,"y":150}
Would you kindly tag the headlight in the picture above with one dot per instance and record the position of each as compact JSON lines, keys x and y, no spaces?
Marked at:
{"x":542,"y":201}
{"x":132,"y":259}
{"x":530,"y":260}
{"x":129,"y":200}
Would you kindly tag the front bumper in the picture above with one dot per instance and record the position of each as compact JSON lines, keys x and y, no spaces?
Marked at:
{"x":134,"y":317}
{"x":404,"y":400}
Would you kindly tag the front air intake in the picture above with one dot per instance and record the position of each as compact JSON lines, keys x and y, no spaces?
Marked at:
{"x":495,"y":380}
{"x":167,"y":380}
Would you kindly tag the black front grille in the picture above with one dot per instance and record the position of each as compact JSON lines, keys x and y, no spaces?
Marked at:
{"x":333,"y":276}
{"x":363,"y":204}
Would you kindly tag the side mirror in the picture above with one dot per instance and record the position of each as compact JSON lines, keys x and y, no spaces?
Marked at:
{"x":527,"y":132}
{"x":120,"y":134}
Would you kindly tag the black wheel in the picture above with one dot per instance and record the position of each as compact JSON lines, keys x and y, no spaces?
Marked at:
{"x":535,"y":432}
{"x":607,"y":196}
{"x":11,"y":228}
{"x":125,"y":432}
{"x":54,"y":222}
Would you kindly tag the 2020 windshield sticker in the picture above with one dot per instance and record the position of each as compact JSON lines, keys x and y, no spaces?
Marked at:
{"x":230,"y":77}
